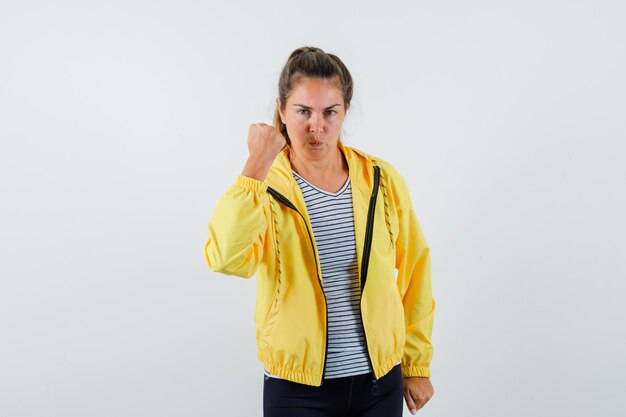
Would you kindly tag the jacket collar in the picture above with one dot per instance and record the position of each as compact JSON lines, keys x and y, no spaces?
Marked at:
{"x":360,"y":167}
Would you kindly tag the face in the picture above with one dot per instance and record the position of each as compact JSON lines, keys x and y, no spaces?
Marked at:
{"x":314,"y":114}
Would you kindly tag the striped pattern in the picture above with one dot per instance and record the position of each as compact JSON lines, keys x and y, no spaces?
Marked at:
{"x":332,"y":222}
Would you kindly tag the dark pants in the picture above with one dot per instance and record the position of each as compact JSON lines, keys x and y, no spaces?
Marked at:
{"x":352,"y":396}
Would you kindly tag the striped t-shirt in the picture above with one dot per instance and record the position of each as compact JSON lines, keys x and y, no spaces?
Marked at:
{"x":332,"y":222}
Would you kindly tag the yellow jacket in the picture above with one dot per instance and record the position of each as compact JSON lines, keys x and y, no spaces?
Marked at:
{"x":262,"y":227}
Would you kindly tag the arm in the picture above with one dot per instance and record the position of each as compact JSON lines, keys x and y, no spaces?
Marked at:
{"x":414,"y":286}
{"x":237,"y":230}
{"x":239,"y":227}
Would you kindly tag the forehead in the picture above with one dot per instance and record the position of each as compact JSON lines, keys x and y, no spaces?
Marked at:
{"x":316,"y":90}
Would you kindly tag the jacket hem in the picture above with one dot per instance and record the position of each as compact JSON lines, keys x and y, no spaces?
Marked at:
{"x":311,"y":377}
{"x":293,"y":375}
{"x":387,"y":365}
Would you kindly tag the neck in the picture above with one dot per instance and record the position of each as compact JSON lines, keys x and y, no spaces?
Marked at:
{"x":319,"y":168}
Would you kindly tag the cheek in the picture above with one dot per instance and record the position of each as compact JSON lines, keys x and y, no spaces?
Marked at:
{"x":296,"y":129}
{"x":335,"y":125}
{"x":296,"y":124}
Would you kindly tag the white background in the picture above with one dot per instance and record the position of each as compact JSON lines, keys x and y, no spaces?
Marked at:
{"x":123,"y":122}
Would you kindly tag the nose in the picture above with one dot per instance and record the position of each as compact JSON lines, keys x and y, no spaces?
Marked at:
{"x":317,"y":124}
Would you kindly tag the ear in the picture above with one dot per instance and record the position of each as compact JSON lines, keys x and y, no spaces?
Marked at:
{"x":280,"y":112}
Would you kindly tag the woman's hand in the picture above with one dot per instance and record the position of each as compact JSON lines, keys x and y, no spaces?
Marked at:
{"x":417,"y":391}
{"x":264,"y":144}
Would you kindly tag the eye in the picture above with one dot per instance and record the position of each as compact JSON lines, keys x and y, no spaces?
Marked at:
{"x":331,"y":112}
{"x":302,"y":111}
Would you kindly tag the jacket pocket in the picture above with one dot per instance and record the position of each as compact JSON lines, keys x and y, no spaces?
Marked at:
{"x":274,"y":312}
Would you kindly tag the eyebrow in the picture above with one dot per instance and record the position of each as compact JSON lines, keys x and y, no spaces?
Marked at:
{"x":309,"y":108}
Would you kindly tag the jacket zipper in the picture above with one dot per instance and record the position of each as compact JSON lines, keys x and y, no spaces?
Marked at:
{"x":369,"y":230}
{"x":289,"y":204}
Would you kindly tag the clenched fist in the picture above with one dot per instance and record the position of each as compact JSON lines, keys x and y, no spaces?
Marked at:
{"x":264,"y":144}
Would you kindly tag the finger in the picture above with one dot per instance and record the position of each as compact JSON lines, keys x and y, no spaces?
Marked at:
{"x":418,"y":403}
{"x":420,"y":400}
{"x":409,"y":402}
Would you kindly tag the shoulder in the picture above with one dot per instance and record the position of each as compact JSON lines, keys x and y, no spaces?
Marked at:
{"x":385,"y":166}
{"x":392,"y":179}
{"x":390,"y":175}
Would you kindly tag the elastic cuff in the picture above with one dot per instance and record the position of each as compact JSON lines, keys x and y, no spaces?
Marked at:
{"x":408,"y":371}
{"x":251,"y":184}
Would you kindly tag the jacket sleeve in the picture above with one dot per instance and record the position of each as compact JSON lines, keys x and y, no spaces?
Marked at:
{"x":237,"y":230}
{"x":414,"y":285}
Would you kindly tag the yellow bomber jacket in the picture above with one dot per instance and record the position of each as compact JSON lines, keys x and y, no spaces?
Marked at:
{"x":262,"y":227}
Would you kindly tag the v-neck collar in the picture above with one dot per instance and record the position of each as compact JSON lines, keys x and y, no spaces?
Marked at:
{"x":328,"y":193}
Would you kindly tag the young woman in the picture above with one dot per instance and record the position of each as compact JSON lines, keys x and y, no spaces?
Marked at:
{"x":325,"y":227}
